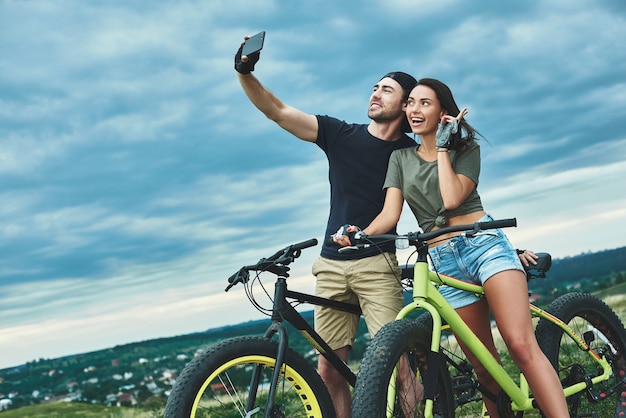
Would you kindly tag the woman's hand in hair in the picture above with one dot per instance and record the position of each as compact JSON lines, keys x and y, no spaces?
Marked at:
{"x":449,"y":118}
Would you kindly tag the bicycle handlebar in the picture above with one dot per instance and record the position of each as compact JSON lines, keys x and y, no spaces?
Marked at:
{"x":276,"y":263}
{"x":417,"y":238}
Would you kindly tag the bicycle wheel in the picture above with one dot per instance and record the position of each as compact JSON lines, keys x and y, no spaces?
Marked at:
{"x":597,"y":324}
{"x":467,"y":398}
{"x":218,"y":383}
{"x":397,"y":359}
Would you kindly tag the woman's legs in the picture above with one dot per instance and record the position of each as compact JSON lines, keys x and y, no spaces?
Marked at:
{"x":476,"y":316}
{"x":507,"y":294}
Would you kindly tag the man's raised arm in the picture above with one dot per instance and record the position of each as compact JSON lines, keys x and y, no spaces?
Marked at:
{"x":293,"y":120}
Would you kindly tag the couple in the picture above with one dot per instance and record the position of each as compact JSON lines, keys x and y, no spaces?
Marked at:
{"x":373,"y":169}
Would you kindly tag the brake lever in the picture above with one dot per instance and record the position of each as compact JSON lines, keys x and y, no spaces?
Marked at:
{"x":473,"y":232}
{"x":243,"y":275}
{"x":353,"y":247}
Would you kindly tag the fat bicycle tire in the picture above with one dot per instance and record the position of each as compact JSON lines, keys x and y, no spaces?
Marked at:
{"x":391,"y":343}
{"x":216,"y":383}
{"x":589,"y":317}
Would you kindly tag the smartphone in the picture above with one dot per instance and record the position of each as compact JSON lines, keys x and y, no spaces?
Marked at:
{"x":253,"y":44}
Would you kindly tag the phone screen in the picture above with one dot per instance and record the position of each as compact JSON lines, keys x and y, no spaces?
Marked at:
{"x":253,"y":44}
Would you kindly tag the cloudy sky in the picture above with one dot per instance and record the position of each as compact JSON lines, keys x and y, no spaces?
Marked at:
{"x":135,"y":176}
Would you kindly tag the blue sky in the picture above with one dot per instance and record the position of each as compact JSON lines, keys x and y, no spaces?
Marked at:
{"x":136,"y":176}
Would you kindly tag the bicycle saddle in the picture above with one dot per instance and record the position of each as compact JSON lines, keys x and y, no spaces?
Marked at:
{"x":539,"y":270}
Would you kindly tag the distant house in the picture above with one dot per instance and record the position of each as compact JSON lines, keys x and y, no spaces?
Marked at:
{"x":126,"y":399}
{"x":111,"y":398}
{"x":5,"y":404}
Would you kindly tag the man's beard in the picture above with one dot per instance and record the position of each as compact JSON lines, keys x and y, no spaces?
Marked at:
{"x":382,"y":115}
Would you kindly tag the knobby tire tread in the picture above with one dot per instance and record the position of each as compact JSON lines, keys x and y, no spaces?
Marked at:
{"x":585,"y":307}
{"x":197,"y":371}
{"x":383,"y":352}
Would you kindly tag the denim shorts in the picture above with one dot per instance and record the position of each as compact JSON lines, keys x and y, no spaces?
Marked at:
{"x":473,"y":260}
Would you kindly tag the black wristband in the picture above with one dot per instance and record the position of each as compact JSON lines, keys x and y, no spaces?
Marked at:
{"x":248,"y":66}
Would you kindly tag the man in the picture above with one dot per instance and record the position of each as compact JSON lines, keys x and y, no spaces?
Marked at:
{"x":358,"y":155}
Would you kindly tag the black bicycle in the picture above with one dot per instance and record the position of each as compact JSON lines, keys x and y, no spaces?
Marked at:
{"x":262,"y":376}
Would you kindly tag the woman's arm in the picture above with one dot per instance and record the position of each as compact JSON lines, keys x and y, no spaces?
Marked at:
{"x":386,"y":220}
{"x":454,"y":188}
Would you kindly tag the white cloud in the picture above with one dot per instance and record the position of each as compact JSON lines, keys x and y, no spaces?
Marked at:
{"x":564,"y":213}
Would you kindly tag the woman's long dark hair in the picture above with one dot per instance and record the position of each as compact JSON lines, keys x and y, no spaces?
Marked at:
{"x":444,"y":94}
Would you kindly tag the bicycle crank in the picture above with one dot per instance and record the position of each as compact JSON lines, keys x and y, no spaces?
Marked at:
{"x":503,"y":402}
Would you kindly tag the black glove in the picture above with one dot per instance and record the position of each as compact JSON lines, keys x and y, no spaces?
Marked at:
{"x":352,"y":236}
{"x":248,"y":66}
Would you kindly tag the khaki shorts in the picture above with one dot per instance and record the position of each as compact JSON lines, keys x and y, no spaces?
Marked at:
{"x":372,"y":282}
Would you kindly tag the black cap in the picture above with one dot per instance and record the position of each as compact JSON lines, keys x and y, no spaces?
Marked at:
{"x":407,"y":82}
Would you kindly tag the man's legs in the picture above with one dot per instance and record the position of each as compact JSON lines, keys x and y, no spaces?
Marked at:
{"x":336,"y":384}
{"x":376,"y":282}
{"x":337,"y":328}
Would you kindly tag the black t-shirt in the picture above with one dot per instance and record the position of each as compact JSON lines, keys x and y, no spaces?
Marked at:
{"x":357,"y":164}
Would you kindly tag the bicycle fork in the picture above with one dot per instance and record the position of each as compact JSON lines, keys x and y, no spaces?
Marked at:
{"x":282,"y":311}
{"x":276,"y":327}
{"x":283,"y":343}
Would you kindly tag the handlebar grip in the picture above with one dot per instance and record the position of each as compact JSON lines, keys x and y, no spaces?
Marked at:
{"x":500,"y":223}
{"x":293,"y":247}
{"x":234,"y":277}
{"x":305,"y":244}
{"x":242,"y":275}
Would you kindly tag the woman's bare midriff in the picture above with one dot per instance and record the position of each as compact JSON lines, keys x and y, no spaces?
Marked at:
{"x":469,"y":218}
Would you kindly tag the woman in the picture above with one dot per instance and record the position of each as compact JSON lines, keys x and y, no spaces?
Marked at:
{"x":438,"y":180}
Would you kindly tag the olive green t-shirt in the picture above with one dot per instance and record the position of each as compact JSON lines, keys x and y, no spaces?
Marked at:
{"x":419,"y":182}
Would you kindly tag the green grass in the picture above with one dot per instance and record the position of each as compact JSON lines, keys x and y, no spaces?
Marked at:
{"x":77,"y":410}
{"x":615,"y":297}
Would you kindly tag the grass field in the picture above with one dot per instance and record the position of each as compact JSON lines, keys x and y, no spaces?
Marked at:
{"x":77,"y":410}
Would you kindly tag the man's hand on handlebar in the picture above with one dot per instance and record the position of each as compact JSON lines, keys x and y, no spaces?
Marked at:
{"x":345,"y":235}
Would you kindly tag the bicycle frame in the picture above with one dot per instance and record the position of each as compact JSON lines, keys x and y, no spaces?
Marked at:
{"x":282,"y":311}
{"x":427,"y":297}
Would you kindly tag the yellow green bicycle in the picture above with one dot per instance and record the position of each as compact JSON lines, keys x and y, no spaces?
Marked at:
{"x":581,"y":336}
